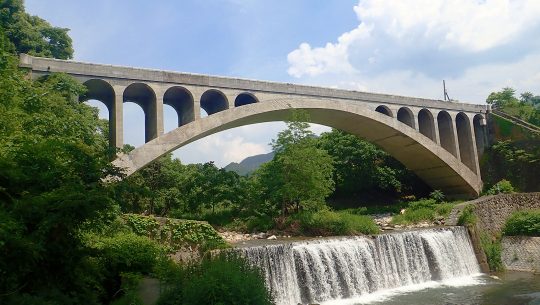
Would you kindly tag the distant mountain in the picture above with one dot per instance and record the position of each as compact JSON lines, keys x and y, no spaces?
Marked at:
{"x":249,"y":164}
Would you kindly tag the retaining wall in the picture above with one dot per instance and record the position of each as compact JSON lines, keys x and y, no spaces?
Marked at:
{"x":492,"y":211}
{"x":521,"y":253}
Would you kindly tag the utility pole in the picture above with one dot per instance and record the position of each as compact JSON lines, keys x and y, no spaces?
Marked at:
{"x":446,"y":97}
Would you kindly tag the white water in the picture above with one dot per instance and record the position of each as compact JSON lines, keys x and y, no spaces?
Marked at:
{"x":355,"y":268}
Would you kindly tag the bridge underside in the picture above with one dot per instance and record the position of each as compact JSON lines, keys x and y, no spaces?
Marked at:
{"x":431,"y":162}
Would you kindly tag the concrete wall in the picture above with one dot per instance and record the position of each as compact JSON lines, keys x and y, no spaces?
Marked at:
{"x":521,"y":253}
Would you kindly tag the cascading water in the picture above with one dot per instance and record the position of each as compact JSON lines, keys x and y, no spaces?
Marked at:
{"x":339,"y":268}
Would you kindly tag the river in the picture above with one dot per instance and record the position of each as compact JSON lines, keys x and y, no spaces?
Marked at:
{"x":431,"y":266}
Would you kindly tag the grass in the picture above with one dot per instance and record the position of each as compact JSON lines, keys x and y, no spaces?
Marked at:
{"x":423,"y":210}
{"x":331,"y":223}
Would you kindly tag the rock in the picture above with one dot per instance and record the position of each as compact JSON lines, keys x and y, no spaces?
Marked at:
{"x":273,"y":237}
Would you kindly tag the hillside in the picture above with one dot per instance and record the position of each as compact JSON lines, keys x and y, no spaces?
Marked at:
{"x":249,"y":164}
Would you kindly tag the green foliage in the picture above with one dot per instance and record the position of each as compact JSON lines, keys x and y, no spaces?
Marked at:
{"x":444,"y":209}
{"x":523,"y":223}
{"x":193,"y":233}
{"x":467,"y":216}
{"x":361,"y":167}
{"x":493,"y":249}
{"x":174,"y":233}
{"x":328,"y":223}
{"x":52,"y":160}
{"x":501,"y":187}
{"x":423,"y":210}
{"x":437,"y":195}
{"x":126,"y":252}
{"x":503,"y":98}
{"x":142,"y":225}
{"x":223,"y":279}
{"x":517,"y":162}
{"x":300,"y":175}
{"x":31,"y":34}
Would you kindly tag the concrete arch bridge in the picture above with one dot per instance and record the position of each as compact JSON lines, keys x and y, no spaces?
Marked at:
{"x":439,"y":141}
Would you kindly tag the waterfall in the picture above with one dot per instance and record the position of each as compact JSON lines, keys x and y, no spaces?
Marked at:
{"x":340,"y":268}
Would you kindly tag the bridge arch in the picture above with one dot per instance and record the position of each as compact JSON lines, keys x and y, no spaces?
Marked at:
{"x":429,"y":161}
{"x":245,"y":98}
{"x":182,"y":101}
{"x":214,"y":101}
{"x":405,"y":115}
{"x":101,"y":90}
{"x":144,"y":96}
{"x":466,"y":151}
{"x":426,"y":124}
{"x":446,"y":132}
{"x":384,"y":110}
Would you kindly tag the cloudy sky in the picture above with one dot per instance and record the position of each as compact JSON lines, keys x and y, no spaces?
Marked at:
{"x":404,"y":47}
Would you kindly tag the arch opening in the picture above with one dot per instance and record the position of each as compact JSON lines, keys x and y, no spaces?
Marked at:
{"x":446,"y":132}
{"x":480,"y":134}
{"x":384,"y":110}
{"x":405,"y":115}
{"x":101,"y":91}
{"x":181,"y":100}
{"x":465,"y":141}
{"x":142,"y":95}
{"x":214,"y":101}
{"x":245,"y":99}
{"x":426,"y":124}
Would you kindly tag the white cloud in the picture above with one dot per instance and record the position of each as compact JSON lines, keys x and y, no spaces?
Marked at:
{"x":408,"y":47}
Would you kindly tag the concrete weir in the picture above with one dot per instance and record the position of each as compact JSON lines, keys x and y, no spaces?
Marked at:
{"x":437,"y":140}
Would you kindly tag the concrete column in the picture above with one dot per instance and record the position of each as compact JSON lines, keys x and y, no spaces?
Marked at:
{"x":416,"y":122}
{"x":455,"y":135}
{"x":474,"y":148}
{"x":153,"y":113}
{"x":436,"y":130}
{"x":116,"y":117}
{"x":159,"y":113}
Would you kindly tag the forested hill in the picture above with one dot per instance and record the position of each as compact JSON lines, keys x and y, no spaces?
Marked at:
{"x":249,"y":164}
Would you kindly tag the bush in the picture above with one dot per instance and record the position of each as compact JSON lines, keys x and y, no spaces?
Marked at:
{"x":223,"y":279}
{"x":127,"y":252}
{"x":326,"y":223}
{"x":501,"y":187}
{"x":523,"y":223}
{"x":437,"y":195}
{"x":492,"y":248}
{"x":467,"y":216}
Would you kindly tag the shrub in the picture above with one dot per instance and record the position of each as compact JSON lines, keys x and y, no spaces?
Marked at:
{"x":523,"y":223}
{"x":327,"y":223}
{"x":437,"y":195}
{"x":492,"y":248}
{"x":195,"y":233}
{"x":223,"y":279}
{"x":467,"y":216}
{"x":501,"y":187}
{"x":127,"y":252}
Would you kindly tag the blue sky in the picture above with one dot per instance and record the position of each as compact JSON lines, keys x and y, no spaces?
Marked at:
{"x":398,"y":47}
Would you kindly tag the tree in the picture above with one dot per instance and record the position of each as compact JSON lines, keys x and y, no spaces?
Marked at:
{"x":31,"y":34}
{"x":52,"y":160}
{"x":502,"y":98}
{"x":300,"y":175}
